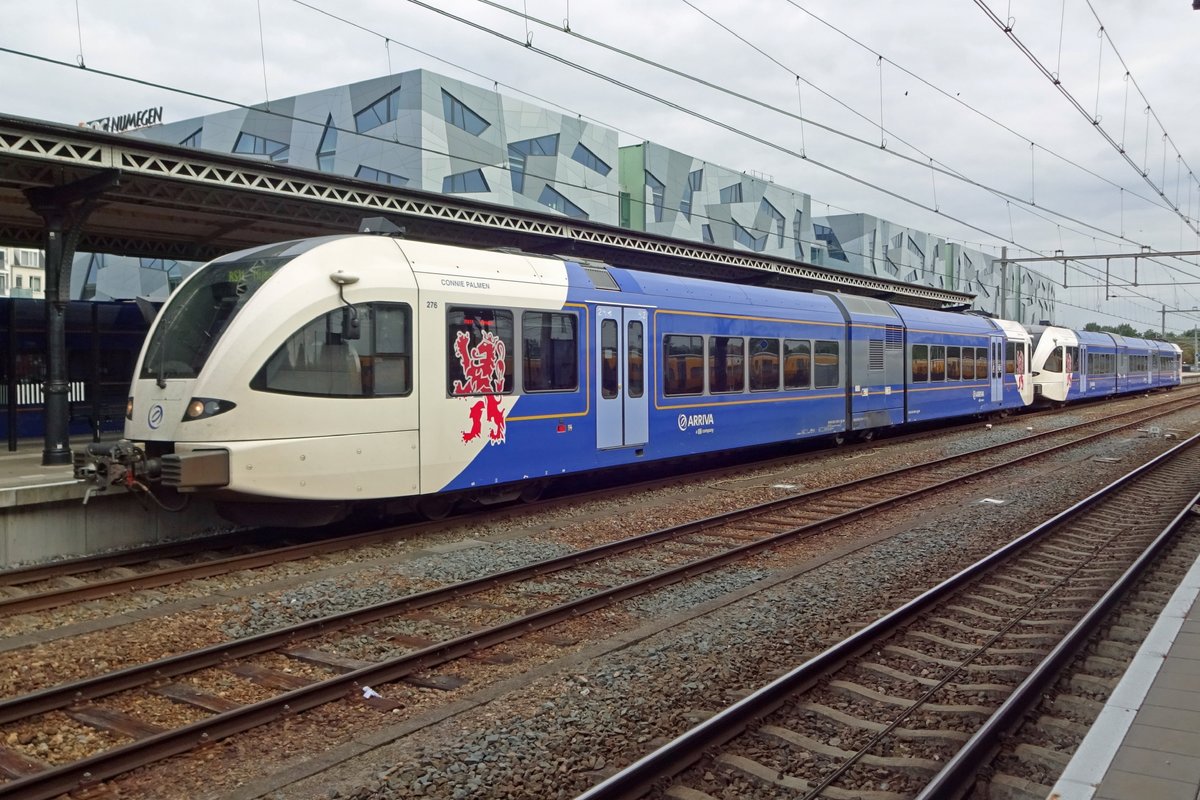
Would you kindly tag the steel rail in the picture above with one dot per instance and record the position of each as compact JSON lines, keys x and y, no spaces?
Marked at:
{"x":63,"y":695}
{"x":52,"y":782}
{"x":53,"y":598}
{"x":675,"y":756}
{"x":958,"y":776}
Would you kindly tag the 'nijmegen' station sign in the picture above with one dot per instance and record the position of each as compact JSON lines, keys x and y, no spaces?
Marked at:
{"x":126,"y":122}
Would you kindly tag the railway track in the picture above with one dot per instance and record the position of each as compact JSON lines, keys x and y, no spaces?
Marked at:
{"x":686,"y":552}
{"x":72,"y":581}
{"x":916,"y":703}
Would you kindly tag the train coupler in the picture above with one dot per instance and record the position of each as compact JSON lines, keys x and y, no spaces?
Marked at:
{"x":123,"y":463}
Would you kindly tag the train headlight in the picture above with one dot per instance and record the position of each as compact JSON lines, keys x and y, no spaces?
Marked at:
{"x":129,"y":408}
{"x":204,"y":407}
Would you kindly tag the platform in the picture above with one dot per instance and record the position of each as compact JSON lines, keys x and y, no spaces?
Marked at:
{"x":43,"y":516}
{"x":1145,"y":745}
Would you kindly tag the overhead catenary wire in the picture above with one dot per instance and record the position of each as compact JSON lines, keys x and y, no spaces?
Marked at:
{"x":1074,"y":102}
{"x":809,"y":159}
{"x":1025,"y":204}
{"x":316,"y":122}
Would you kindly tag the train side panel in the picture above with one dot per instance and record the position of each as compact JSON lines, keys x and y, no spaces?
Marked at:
{"x":956,"y":365}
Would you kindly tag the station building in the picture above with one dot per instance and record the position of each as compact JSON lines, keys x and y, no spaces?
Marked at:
{"x":426,"y":131}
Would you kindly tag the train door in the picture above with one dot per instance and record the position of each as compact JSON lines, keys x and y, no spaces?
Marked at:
{"x":622,"y":403}
{"x":1082,"y":368}
{"x":997,"y":367}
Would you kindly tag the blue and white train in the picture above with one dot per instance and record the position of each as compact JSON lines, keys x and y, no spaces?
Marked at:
{"x":296,"y":382}
{"x":1073,"y":365}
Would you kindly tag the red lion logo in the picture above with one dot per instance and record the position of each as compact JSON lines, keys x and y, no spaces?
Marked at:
{"x":483,"y":373}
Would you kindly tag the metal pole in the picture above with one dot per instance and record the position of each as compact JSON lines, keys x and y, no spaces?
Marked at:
{"x":1003,"y":281}
{"x":64,"y":209}
{"x":57,"y":413}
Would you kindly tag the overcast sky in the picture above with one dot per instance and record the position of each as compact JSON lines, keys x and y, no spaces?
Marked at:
{"x":940,"y":77}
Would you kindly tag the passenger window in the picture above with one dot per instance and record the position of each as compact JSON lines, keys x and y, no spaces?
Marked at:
{"x":1010,"y":358}
{"x":635,"y":344}
{"x":683,"y":365}
{"x":827,"y":372}
{"x":726,"y":364}
{"x":953,"y":363}
{"x":797,"y":364}
{"x":1054,"y":361}
{"x":549,"y":351}
{"x":317,"y":360}
{"x":609,"y":370}
{"x":937,"y":358}
{"x":479,"y":351}
{"x":1072,"y":362}
{"x":968,"y":363}
{"x":981,"y":363}
{"x":920,"y":363}
{"x":764,"y":365}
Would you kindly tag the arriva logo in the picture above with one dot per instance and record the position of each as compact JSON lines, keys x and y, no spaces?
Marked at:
{"x":155,"y":417}
{"x":692,"y":420}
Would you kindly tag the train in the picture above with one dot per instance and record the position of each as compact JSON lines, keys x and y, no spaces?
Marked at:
{"x":300,"y":382}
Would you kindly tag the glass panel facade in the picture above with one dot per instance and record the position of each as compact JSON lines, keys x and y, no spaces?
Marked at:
{"x":382,"y":111}
{"x":590,"y":160}
{"x":464,"y":182}
{"x":460,"y":116}
{"x":379,"y":176}
{"x":558,"y":202}
{"x":249,"y":144}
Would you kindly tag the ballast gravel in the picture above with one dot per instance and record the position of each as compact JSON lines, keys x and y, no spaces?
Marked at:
{"x":570,"y":727}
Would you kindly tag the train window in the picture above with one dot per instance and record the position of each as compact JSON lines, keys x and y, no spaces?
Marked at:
{"x":1072,"y":361}
{"x":828,"y":369}
{"x":386,"y":349}
{"x":1054,"y":361}
{"x":968,"y":363}
{"x":479,"y":351}
{"x":981,"y":363}
{"x":317,"y":360}
{"x":953,"y":363}
{"x":635,"y":344}
{"x":609,"y":368}
{"x":937,"y":362}
{"x":683,"y":360}
{"x":195,"y":317}
{"x":549,"y":351}
{"x":764,"y":365}
{"x":797,"y":364}
{"x":726,"y":364}
{"x":920,"y":363}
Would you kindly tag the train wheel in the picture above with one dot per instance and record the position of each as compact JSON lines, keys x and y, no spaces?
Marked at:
{"x":533,"y":492}
{"x":838,"y":439}
{"x":867,"y":435}
{"x":435,"y":506}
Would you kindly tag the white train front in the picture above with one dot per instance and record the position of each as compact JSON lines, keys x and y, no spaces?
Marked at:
{"x":298,"y":381}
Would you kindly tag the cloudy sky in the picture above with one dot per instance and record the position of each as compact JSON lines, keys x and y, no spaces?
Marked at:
{"x":924,"y":113}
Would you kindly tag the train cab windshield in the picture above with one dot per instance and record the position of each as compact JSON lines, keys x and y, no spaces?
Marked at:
{"x":196,"y":316}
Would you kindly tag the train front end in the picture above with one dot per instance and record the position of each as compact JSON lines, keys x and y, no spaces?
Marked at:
{"x":251,"y":383}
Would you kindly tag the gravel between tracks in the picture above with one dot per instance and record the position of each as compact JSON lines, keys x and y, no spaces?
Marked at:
{"x":565,"y":715}
{"x":552,"y":728}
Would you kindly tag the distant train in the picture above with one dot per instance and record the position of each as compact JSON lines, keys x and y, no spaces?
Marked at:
{"x":296,"y":382}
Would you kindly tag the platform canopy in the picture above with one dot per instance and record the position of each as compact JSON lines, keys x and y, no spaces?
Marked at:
{"x":192,"y":205}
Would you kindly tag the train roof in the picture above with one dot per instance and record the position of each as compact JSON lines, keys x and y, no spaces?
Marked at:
{"x":720,"y":292}
{"x":945,"y":320}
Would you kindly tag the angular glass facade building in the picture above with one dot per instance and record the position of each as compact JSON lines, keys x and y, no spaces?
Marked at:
{"x":425,"y":131}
